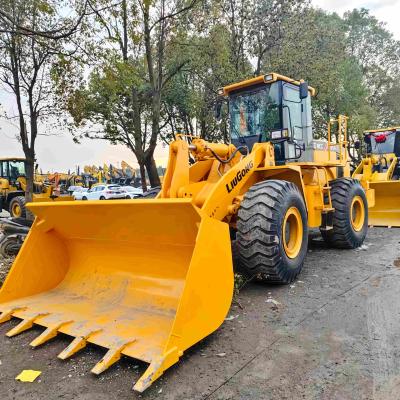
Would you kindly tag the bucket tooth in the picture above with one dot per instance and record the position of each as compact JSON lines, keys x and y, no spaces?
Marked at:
{"x":48,"y":334}
{"x":7,"y":315}
{"x":77,"y":344}
{"x":112,"y":356}
{"x":156,"y":369}
{"x":152,"y":372}
{"x":24,"y":325}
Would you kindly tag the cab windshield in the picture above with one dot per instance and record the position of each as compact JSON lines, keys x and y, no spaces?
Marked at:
{"x":16,"y":169}
{"x":255,"y":112}
{"x":382,"y":142}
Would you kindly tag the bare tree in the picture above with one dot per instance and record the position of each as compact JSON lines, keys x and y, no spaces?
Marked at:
{"x":122,"y":101}
{"x":26,"y":63}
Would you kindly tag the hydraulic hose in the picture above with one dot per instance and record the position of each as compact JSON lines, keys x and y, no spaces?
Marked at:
{"x":231,"y":156}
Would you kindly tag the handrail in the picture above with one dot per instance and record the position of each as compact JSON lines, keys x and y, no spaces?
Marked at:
{"x":341,"y":137}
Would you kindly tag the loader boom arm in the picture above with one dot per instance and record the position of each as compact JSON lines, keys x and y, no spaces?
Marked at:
{"x":213,"y":182}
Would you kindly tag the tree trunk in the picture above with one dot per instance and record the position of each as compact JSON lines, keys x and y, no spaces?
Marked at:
{"x":152,"y":172}
{"x":29,"y":171}
{"x":143,"y":175}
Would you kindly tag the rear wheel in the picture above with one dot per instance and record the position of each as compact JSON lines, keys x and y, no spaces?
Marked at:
{"x":102,"y":198}
{"x":272,"y":232}
{"x":84,"y":198}
{"x":17,"y":207}
{"x":350,"y":218}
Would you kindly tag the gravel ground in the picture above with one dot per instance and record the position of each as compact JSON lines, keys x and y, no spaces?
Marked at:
{"x":5,"y":265}
{"x":333,"y":334}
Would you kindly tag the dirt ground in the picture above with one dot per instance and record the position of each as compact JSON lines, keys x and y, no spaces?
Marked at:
{"x":334,"y":334}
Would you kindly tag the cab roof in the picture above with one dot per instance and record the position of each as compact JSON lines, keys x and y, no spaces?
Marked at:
{"x":12,"y":159}
{"x":392,"y":128}
{"x":268,"y":78}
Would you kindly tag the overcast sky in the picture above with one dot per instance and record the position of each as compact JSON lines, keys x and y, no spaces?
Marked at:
{"x":59,"y":153}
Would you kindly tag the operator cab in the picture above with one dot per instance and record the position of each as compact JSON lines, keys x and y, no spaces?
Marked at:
{"x":383,"y":141}
{"x":271,"y":108}
{"x":12,"y":168}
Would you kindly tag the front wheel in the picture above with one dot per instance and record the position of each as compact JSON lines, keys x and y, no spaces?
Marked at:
{"x":84,"y":198}
{"x":17,"y":207}
{"x":102,"y":198}
{"x":272,"y":232}
{"x":350,"y":218}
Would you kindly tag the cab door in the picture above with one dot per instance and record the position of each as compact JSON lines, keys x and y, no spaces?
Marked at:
{"x":296,"y":115}
{"x":292,"y":111}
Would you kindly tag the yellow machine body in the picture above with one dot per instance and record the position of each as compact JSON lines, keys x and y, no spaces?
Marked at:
{"x":377,"y":172}
{"x":150,"y":278}
{"x":132,"y":276}
{"x":13,"y":184}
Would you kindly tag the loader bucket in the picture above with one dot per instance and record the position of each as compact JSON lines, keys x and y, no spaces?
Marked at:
{"x":142,"y":278}
{"x":386,"y":211}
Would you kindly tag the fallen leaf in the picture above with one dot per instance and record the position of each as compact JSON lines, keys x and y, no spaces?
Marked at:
{"x":28,"y":375}
{"x":232,"y":317}
{"x":273,"y":302}
{"x":221,"y":354}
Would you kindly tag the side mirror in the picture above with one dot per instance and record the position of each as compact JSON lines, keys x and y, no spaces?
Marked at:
{"x":303,"y":90}
{"x":217,"y":111}
{"x":357,"y":145}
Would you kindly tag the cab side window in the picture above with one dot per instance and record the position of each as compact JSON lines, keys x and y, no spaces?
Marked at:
{"x":5,"y":172}
{"x":292,"y":111}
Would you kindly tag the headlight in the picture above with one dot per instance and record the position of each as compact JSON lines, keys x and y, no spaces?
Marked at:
{"x":279,"y":134}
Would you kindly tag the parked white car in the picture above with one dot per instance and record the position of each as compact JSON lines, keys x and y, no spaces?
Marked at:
{"x":132,"y":192}
{"x":104,"y":192}
{"x":72,"y":189}
{"x":79,"y":192}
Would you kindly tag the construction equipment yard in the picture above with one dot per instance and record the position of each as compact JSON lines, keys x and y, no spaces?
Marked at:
{"x":332,"y":334}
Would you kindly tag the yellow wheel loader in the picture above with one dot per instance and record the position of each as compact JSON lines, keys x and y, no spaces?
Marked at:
{"x":13,"y":186}
{"x":150,"y":278}
{"x":380,"y":171}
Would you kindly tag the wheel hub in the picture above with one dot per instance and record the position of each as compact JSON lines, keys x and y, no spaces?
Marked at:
{"x":16,"y":210}
{"x":292,"y":232}
{"x":357,"y":213}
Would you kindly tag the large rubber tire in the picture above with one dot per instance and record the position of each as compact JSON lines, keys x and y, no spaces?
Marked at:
{"x":260,"y":247}
{"x":347,"y":197}
{"x":17,"y":208}
{"x":9,"y":246}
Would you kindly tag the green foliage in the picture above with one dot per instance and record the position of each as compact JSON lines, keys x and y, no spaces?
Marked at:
{"x":167,"y":82}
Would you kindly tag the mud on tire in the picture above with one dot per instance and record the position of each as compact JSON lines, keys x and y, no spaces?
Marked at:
{"x":263,"y":247}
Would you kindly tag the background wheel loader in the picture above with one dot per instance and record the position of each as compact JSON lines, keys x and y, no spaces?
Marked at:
{"x":380,"y":171}
{"x":13,"y":185}
{"x":158,"y":276}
